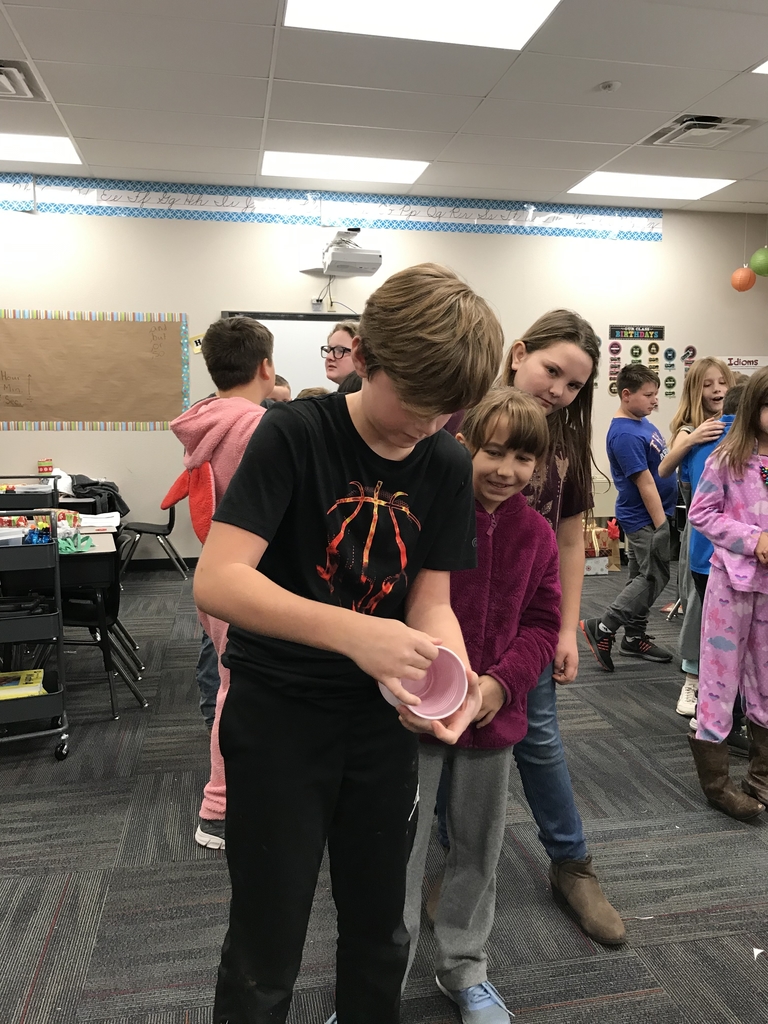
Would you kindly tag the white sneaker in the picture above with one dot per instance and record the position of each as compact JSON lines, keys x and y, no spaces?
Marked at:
{"x":693,"y":725}
{"x":686,"y":703}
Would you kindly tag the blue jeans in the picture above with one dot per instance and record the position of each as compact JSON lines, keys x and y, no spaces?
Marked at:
{"x":207,"y":675}
{"x":540,"y":760}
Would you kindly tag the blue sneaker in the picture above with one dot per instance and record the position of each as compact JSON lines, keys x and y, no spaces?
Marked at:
{"x":479,"y":1004}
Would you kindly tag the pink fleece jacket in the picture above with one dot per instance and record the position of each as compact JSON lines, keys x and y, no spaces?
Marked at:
{"x":509,"y":612}
{"x":217,"y":430}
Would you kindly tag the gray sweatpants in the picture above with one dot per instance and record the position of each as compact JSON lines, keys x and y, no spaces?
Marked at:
{"x":648,"y":553}
{"x":477,"y":808}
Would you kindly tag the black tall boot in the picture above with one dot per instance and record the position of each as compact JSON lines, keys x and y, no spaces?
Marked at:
{"x":756,"y":782}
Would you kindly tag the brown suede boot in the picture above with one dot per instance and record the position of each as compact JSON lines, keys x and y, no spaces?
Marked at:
{"x":576,"y":888}
{"x":712,"y":768}
{"x":756,"y":782}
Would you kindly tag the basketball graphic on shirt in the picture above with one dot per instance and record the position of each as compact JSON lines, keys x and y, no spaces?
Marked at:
{"x":369,"y":533}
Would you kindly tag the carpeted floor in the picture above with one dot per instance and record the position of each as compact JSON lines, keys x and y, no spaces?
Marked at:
{"x":110,"y":914}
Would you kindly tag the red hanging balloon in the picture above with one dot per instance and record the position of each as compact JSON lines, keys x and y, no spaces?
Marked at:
{"x":743,"y":279}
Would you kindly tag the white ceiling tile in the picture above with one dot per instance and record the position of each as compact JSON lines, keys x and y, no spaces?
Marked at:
{"x":495,"y":149}
{"x":9,"y":47}
{"x":154,"y":89}
{"x":739,"y":6}
{"x":379,"y":63}
{"x":762,"y":174}
{"x":705,"y":206}
{"x":331,"y":185}
{"x":18,"y":166}
{"x":293,"y":137}
{"x":561,"y":122}
{"x":29,"y":118}
{"x":751,"y":191}
{"x":491,"y":176}
{"x":744,"y":96}
{"x":150,"y":175}
{"x":538,"y":195}
{"x":161,"y":126}
{"x":97,"y":37}
{"x":687,"y":162}
{"x":649,"y":33}
{"x":169,"y":158}
{"x":624,"y":203}
{"x":374,"y":108}
{"x":556,"y":79}
{"x":753,"y":141}
{"x":263,"y":12}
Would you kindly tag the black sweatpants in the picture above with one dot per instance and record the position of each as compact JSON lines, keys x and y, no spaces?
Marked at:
{"x":299,"y":773}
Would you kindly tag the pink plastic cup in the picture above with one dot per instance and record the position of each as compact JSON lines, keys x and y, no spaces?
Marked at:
{"x":442,"y":690}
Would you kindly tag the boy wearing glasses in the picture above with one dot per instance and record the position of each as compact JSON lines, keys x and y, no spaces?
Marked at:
{"x":338,"y":352}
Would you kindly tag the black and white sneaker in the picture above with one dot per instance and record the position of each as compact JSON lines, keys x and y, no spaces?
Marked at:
{"x":600,"y":642}
{"x":643,"y":647}
{"x":210,"y":833}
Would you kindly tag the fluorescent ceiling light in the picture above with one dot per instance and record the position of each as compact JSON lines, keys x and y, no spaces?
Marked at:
{"x":506,"y":26}
{"x":648,"y":186}
{"x":762,"y":70}
{"x":342,"y":168}
{"x":38,"y":149}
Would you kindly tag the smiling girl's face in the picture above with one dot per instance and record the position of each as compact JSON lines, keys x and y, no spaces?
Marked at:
{"x":553,"y":375}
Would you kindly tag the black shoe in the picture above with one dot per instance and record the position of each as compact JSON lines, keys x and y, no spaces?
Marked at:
{"x":600,"y":643}
{"x":641,"y":647}
{"x":210,"y":833}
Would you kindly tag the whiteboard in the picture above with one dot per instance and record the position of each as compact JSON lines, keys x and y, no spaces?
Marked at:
{"x":298,"y":337}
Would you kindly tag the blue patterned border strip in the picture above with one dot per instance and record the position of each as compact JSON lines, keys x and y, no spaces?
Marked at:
{"x":97,"y":197}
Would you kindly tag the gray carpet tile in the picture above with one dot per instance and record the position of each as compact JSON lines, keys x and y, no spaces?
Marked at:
{"x":159,"y":940}
{"x":185,"y":1015}
{"x":161,"y":820}
{"x":175,"y":742}
{"x":48,"y":927}
{"x":693,"y":974}
{"x":63,"y":828}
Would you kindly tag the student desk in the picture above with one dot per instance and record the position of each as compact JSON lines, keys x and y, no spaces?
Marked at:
{"x":95,"y":568}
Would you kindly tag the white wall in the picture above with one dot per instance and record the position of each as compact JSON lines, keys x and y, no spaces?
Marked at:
{"x":199,"y":267}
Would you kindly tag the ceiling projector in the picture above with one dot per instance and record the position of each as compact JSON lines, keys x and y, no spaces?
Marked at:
{"x":343,"y":257}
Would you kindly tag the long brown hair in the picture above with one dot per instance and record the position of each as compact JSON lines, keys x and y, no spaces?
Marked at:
{"x":570,"y":429}
{"x":690,"y":412}
{"x":739,"y":444}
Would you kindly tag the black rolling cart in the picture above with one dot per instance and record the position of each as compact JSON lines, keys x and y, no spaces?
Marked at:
{"x":33,"y":622}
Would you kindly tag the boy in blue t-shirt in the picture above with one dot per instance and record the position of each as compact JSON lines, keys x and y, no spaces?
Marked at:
{"x":644,"y":506}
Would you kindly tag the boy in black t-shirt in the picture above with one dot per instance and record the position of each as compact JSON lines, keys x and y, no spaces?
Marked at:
{"x":331,"y":555}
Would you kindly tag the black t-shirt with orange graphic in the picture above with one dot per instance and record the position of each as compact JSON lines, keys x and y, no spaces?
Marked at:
{"x":345,"y":527}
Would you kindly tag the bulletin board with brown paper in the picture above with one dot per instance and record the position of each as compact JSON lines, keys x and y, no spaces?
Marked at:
{"x":68,"y":370}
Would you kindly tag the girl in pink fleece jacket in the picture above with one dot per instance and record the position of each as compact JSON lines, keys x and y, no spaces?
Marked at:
{"x":731,"y":509}
{"x":509,"y":612}
{"x":238,"y":356}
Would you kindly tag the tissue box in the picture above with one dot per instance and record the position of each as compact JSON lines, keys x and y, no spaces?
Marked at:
{"x":596,"y":566}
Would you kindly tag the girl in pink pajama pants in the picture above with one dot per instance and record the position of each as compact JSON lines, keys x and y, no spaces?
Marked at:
{"x":730,"y":507}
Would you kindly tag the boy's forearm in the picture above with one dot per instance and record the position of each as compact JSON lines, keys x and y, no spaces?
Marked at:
{"x":650,"y":497}
{"x":245,"y":597}
{"x":439,"y":620}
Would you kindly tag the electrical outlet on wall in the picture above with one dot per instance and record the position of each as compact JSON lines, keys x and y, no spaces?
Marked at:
{"x":317,"y":305}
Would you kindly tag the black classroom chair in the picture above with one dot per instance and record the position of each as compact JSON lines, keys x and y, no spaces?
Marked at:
{"x":161,"y":532}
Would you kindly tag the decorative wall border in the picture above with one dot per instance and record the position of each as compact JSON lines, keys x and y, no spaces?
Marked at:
{"x":103,"y":425}
{"x":117,"y":198}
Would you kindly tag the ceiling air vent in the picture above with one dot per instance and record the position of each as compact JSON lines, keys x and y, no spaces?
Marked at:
{"x":700,"y":131}
{"x":17,"y":82}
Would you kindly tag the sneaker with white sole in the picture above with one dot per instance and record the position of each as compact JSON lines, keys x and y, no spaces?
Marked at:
{"x":210,"y":833}
{"x":693,"y":725}
{"x":478,"y":1004}
{"x":332,"y":1018}
{"x":686,"y":702}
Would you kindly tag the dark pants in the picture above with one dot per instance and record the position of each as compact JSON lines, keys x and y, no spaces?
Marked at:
{"x":207,"y":674}
{"x":299,"y":773}
{"x":648,"y":553}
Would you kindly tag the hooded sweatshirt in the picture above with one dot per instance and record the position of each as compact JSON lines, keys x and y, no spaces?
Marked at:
{"x":509,"y":612}
{"x":217,"y":430}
